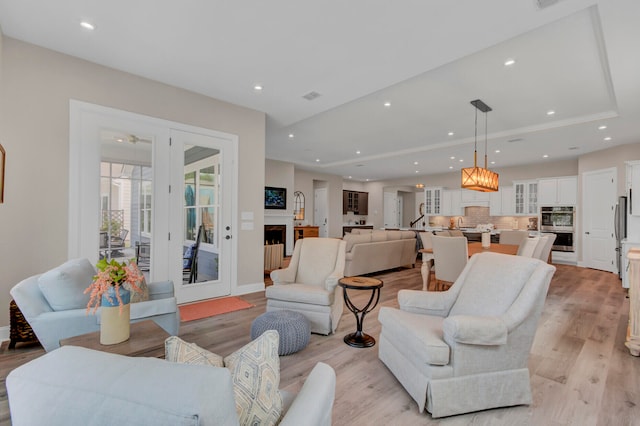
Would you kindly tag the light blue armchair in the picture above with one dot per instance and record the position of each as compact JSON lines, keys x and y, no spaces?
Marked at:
{"x":54,"y":304}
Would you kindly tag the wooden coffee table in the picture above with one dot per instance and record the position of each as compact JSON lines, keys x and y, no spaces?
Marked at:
{"x":146,"y":339}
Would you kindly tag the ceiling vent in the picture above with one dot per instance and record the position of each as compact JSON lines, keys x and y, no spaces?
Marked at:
{"x":311,"y":96}
{"x":541,"y":4}
{"x":515,"y":140}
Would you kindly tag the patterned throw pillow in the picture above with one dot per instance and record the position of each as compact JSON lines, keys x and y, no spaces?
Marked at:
{"x":177,"y":350}
{"x":255,"y":371}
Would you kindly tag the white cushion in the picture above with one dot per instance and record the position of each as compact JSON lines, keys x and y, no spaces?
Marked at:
{"x":353,"y":239}
{"x":64,"y":286}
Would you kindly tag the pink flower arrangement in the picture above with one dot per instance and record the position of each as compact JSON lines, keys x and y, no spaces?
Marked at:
{"x":112,"y":274}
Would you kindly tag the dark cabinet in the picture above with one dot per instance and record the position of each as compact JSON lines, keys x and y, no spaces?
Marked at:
{"x":356,"y":202}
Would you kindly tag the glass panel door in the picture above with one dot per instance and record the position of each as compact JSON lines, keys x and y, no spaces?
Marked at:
{"x":126,"y":182}
{"x":205,"y":216}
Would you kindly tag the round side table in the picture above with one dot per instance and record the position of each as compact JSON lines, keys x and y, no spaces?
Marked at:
{"x":360,"y":339}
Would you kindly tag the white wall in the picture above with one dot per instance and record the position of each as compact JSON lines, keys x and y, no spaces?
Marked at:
{"x":36,"y":86}
{"x":306,"y":182}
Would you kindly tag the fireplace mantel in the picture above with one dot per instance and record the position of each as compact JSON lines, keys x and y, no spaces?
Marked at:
{"x":282,"y":218}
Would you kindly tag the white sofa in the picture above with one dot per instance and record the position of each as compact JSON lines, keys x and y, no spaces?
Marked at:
{"x":370,"y":251}
{"x":79,"y":386}
{"x":60,"y":311}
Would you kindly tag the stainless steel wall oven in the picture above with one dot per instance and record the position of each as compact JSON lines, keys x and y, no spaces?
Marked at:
{"x":559,"y":220}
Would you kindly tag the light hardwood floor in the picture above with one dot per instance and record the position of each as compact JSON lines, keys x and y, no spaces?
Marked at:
{"x":581,"y":372}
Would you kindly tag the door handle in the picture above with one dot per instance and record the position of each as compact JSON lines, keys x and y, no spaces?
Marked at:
{"x":587,"y":232}
{"x":228,"y":237}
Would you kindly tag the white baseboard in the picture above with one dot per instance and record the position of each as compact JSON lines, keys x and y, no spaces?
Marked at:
{"x":249,"y":288}
{"x":4,"y":333}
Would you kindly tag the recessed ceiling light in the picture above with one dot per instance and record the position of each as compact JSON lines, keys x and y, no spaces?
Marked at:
{"x":608,"y":138}
{"x":452,"y":158}
{"x":257,"y":87}
{"x":602,"y":127}
{"x":451,"y":167}
{"x":545,"y":156}
{"x":493,"y":162}
{"x":317,"y":160}
{"x":87,"y":25}
{"x":415,"y":163}
{"x":387,"y":104}
{"x":509,"y":62}
{"x":291,"y":135}
{"x":417,"y":171}
{"x":358,"y":152}
{"x":497,"y":151}
{"x":450,"y":133}
{"x":461,"y":160}
{"x":551,"y":112}
{"x":119,"y":140}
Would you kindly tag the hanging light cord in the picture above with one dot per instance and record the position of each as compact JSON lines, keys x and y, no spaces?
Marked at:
{"x":485,"y":139}
{"x":475,"y":142}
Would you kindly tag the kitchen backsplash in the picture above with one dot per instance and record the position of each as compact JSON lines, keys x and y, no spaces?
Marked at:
{"x":474,"y":216}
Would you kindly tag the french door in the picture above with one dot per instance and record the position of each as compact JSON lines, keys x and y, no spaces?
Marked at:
{"x":201,"y":238}
{"x":142,"y":188}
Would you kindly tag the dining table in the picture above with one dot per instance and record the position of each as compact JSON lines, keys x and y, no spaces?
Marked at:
{"x":472,"y":248}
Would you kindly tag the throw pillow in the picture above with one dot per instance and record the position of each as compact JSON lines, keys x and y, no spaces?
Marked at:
{"x":353,"y":239}
{"x":177,"y":350}
{"x":255,"y":372}
{"x":64,"y":286}
{"x":186,"y":257}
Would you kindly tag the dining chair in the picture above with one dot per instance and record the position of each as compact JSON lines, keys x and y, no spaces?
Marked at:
{"x":425,"y":238}
{"x":543,"y":249}
{"x":450,"y":256}
{"x":528,"y":247}
{"x":513,"y":237}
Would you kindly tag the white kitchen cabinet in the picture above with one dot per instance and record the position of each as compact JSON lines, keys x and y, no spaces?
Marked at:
{"x":525,"y":197}
{"x":474,"y":198}
{"x":451,"y":203}
{"x":433,"y":201}
{"x":561,"y":191}
{"x":501,"y":202}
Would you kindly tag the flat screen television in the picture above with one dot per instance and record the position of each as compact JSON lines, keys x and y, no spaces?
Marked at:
{"x":275,"y":198}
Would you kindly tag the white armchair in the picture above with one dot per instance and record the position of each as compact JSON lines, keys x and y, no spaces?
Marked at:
{"x":310,"y":284}
{"x":466,"y":349}
{"x":54,"y":304}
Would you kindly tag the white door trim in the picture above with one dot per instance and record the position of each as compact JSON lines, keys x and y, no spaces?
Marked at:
{"x":85,"y":122}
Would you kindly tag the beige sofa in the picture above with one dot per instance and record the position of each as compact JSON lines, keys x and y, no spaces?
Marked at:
{"x":375,"y":250}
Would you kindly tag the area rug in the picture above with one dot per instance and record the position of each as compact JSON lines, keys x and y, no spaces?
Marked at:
{"x":213,"y":307}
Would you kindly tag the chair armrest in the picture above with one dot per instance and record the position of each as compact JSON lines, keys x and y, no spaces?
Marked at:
{"x":475,"y":330}
{"x":436,"y":303}
{"x":283,"y":276}
{"x":332,"y":281}
{"x":314,"y":403}
{"x":160,"y":290}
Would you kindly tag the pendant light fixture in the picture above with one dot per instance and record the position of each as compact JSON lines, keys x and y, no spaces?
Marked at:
{"x":479,"y":178}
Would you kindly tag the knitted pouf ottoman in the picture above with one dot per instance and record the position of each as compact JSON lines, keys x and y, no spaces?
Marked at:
{"x":293,"y":328}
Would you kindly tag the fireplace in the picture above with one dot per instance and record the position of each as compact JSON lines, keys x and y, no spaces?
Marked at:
{"x":275,"y":234}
